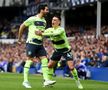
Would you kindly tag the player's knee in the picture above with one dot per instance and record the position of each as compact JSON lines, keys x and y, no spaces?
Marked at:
{"x":50,"y":65}
{"x":71,"y":65}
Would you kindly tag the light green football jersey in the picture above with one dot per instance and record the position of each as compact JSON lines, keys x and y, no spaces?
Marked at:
{"x":58,"y":37}
{"x":35,"y":23}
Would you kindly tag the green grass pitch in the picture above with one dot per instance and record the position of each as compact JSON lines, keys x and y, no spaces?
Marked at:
{"x":12,"y":81}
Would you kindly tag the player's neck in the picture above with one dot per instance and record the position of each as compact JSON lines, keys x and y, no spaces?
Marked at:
{"x":40,"y":15}
{"x":55,"y":27}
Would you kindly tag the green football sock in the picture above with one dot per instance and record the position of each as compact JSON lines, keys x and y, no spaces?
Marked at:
{"x":50,"y":73}
{"x":75,"y":74}
{"x":47,"y":73}
{"x":26,"y":69}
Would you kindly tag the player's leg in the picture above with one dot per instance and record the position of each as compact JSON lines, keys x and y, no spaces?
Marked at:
{"x":51,"y":65}
{"x":47,"y":72}
{"x":68,"y":56}
{"x":75,"y":74}
{"x":54,"y":69}
{"x":30,"y":54}
{"x":52,"y":62}
{"x":54,"y":59}
{"x":26,"y":72}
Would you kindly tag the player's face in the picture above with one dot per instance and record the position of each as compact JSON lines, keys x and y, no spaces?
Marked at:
{"x":55,"y":22}
{"x":45,"y":11}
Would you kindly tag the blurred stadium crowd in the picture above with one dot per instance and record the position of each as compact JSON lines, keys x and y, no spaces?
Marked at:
{"x":86,"y":48}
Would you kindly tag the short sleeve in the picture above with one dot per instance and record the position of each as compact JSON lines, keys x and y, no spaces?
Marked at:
{"x":28,"y":22}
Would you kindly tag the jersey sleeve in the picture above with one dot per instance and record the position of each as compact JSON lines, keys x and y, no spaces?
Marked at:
{"x":58,"y":32}
{"x":48,"y":32}
{"x":51,"y":32}
{"x":28,"y":21}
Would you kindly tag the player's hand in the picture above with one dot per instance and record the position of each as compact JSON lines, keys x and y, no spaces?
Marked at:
{"x":38,"y":32}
